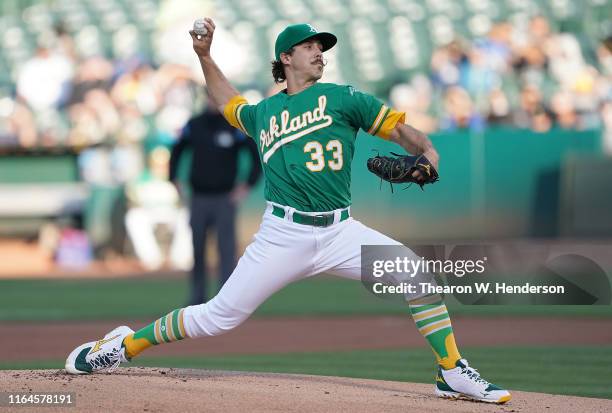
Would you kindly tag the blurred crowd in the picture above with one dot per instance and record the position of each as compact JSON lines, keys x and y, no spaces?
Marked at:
{"x":533,"y":78}
{"x":111,"y":111}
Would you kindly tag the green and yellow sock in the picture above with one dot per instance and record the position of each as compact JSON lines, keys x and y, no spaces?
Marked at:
{"x":167,"y":329}
{"x":432,"y":320}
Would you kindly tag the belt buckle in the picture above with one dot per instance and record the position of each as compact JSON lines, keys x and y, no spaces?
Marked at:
{"x":322,"y":220}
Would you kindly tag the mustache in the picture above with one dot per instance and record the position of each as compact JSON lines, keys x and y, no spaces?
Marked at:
{"x":320,"y":61}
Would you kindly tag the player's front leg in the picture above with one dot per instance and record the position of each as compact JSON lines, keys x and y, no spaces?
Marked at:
{"x":276,"y":258}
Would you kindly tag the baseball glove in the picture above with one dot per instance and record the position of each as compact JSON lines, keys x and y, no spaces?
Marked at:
{"x":399,"y":169}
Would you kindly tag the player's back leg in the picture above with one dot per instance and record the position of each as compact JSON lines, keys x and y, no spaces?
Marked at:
{"x":341,"y":256}
{"x":281,"y":253}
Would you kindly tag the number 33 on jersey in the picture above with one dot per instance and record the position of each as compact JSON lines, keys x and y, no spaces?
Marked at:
{"x":306,"y":141}
{"x":318,"y":159}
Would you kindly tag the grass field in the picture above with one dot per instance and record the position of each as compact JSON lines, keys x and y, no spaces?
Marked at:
{"x":144,"y":298}
{"x":561,"y":369}
{"x":540,"y":369}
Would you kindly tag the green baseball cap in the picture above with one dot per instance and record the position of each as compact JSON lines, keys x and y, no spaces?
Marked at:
{"x":297,"y":33}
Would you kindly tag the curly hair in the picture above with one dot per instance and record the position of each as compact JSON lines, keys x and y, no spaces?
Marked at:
{"x":278,"y":70}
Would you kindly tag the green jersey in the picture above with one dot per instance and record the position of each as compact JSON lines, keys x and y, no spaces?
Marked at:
{"x":306,"y":141}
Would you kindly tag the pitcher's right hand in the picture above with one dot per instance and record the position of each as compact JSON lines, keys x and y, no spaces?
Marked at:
{"x":202,"y":45}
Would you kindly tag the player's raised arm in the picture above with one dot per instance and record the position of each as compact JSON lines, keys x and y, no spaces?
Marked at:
{"x":220,"y":89}
{"x":415,"y":142}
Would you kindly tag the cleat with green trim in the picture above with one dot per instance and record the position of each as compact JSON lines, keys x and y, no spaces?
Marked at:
{"x":102,"y":355}
{"x":464,"y":382}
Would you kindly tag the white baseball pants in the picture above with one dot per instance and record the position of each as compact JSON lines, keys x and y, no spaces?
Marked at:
{"x":282,"y":252}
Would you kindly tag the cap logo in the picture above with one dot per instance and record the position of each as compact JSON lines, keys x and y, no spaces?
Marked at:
{"x":312,"y":29}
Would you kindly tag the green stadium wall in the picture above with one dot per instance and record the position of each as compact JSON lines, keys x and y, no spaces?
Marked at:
{"x":497,"y":183}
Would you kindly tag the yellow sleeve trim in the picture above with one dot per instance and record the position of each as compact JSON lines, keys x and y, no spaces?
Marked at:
{"x":379,"y":117}
{"x":232,"y":110}
{"x":389,"y":122}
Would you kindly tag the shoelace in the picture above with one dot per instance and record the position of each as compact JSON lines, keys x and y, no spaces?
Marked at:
{"x":473,"y":375}
{"x":106,"y":361}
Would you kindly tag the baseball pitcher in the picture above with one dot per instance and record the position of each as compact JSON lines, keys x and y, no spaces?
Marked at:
{"x":305,"y":136}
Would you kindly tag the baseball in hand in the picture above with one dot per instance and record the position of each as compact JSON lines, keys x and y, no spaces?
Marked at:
{"x":199,"y":27}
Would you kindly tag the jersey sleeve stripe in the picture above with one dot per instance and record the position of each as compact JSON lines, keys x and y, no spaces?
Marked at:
{"x":391,"y":119}
{"x":231,"y":112}
{"x":238,"y":110}
{"x":378,"y":119}
{"x":375,"y":131}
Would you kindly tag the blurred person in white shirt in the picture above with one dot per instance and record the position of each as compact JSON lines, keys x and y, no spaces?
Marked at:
{"x":154,"y":201}
{"x":44,"y":80}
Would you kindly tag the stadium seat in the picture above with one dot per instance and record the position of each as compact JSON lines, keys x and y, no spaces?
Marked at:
{"x":379,"y":38}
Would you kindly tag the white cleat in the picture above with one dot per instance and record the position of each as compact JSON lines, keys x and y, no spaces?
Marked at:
{"x":464,"y":382}
{"x":101,"y":355}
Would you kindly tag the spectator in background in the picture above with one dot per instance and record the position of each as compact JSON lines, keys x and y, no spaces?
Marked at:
{"x":541,"y":121}
{"x":154,"y":201}
{"x":85,"y":128}
{"x":539,"y":29}
{"x":531,"y":65}
{"x":604,"y":56}
{"x":63,"y":42}
{"x":52,"y":129}
{"x":149,"y":104}
{"x":44,"y":79}
{"x":93,"y":73}
{"x":564,"y":112}
{"x":499,"y":110}
{"x":531,"y":113}
{"x":103,"y":108}
{"x":530,"y":61}
{"x":459,"y":111}
{"x":587,"y":96}
{"x":18,"y":124}
{"x":177,"y":99}
{"x":566,"y":62}
{"x":137,"y":87}
{"x":134,"y":127}
{"x":478,"y":76}
{"x":177,"y":85}
{"x":446,"y":63}
{"x":497,"y":47}
{"x":214,"y":192}
{"x":414,"y":99}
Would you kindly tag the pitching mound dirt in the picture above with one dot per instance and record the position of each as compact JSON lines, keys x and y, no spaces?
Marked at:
{"x":164,"y":390}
